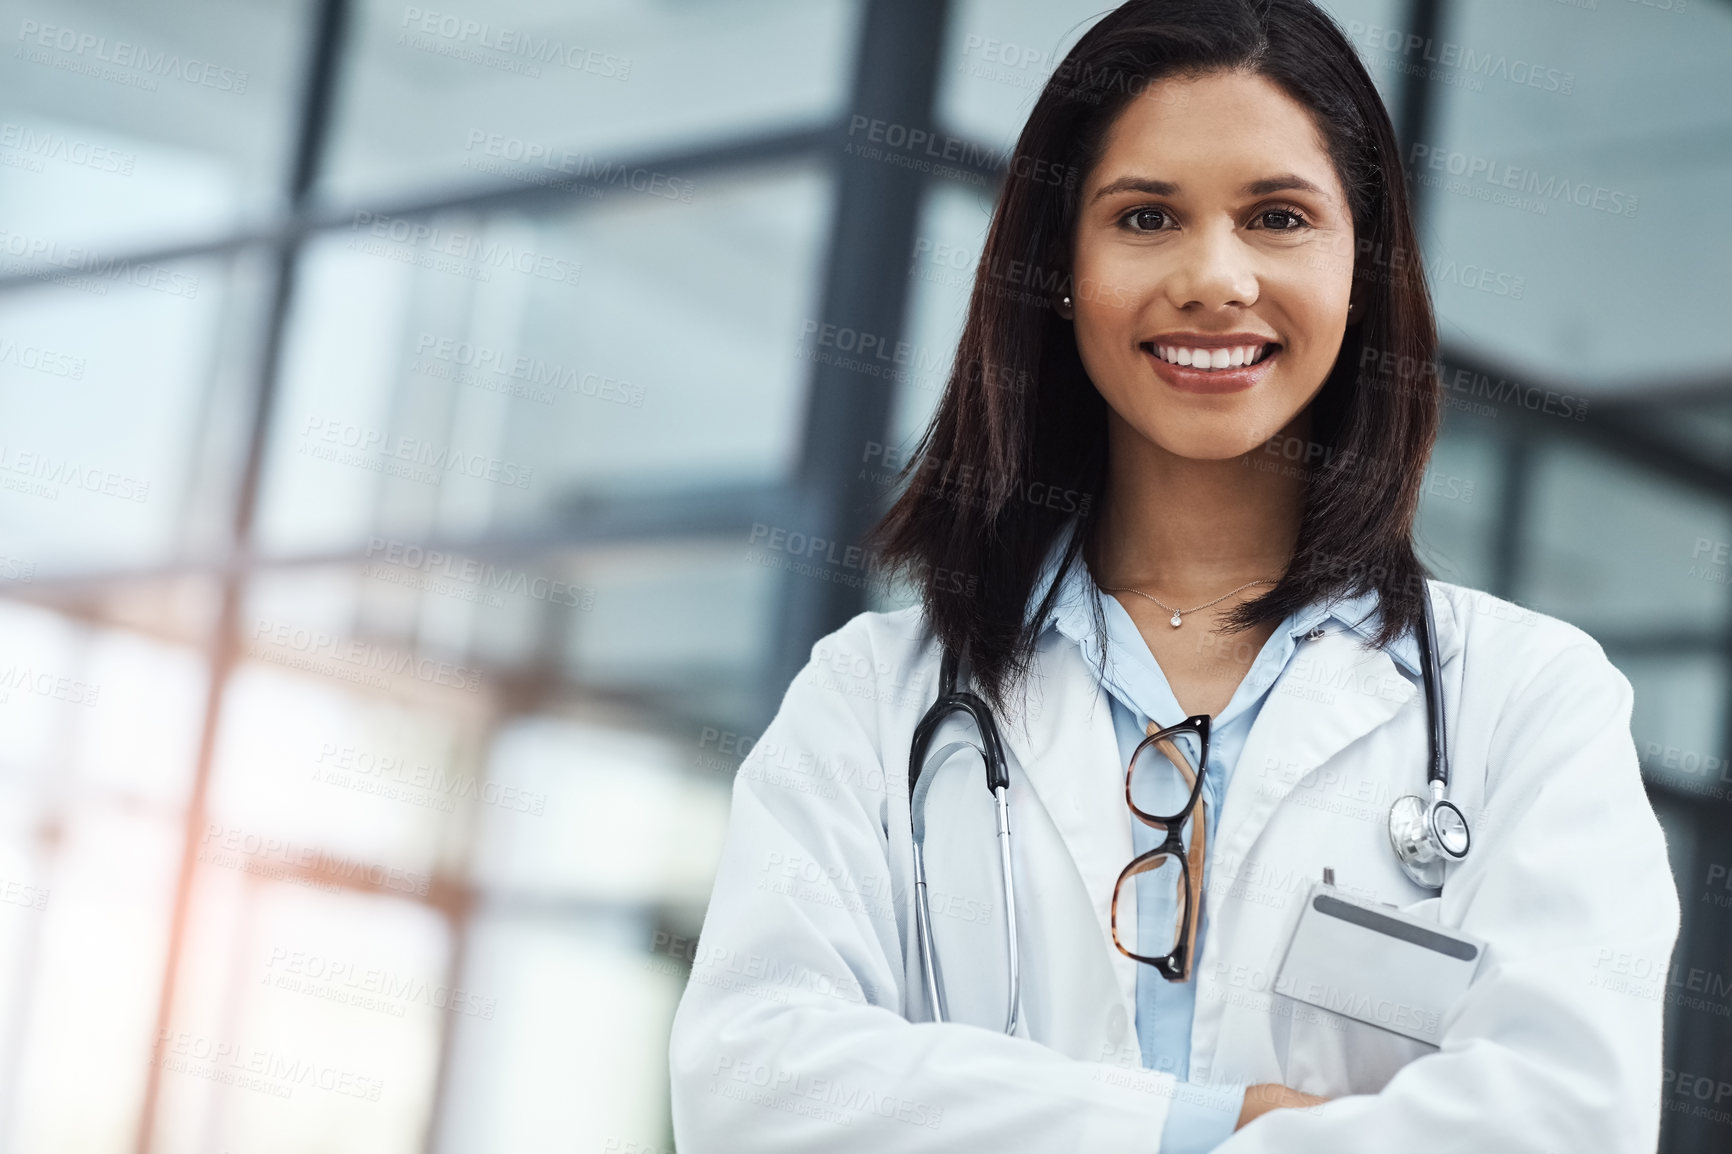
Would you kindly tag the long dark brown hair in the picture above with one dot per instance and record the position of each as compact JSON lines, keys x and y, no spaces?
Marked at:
{"x":1020,"y":418}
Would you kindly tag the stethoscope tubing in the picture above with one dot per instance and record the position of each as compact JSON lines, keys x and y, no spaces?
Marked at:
{"x":950,"y":700}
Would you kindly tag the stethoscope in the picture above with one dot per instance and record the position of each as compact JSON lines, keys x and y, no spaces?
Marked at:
{"x":1426,"y":833}
{"x":991,"y":751}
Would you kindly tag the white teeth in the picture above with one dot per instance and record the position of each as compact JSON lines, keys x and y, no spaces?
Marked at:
{"x":1211,"y":359}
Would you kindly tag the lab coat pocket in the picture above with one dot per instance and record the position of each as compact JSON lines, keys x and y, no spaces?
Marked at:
{"x":1332,"y":1054}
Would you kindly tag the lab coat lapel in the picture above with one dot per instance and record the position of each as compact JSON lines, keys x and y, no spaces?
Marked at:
{"x":1331,"y":694}
{"x":1069,"y":755}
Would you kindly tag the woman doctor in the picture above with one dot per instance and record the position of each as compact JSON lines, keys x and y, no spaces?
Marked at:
{"x":1174,"y":473}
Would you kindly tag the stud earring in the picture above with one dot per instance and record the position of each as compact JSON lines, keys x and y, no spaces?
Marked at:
{"x":1065,"y":304}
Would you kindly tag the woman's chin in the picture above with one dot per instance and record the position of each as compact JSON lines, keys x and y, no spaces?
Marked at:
{"x":1213,"y":440}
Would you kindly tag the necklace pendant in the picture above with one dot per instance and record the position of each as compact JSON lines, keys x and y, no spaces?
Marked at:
{"x":1176,"y":622}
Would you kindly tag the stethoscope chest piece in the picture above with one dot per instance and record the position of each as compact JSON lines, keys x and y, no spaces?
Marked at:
{"x":1426,"y":836}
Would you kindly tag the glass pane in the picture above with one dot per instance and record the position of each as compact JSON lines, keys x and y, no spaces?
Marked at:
{"x":613,"y":816}
{"x":128,"y":125}
{"x":114,"y":437}
{"x":1679,"y":721}
{"x":1461,"y":503}
{"x":576,"y":1057}
{"x":641,"y":344}
{"x":1703,"y":424}
{"x":86,"y":1024}
{"x":453,"y":95}
{"x":308,"y":780}
{"x":1619,"y":552}
{"x":686,"y":625}
{"x":353,"y":731}
{"x":306,"y":1021}
{"x":101,"y":727}
{"x":942,"y":266}
{"x":953,"y":221}
{"x":1574,"y":149}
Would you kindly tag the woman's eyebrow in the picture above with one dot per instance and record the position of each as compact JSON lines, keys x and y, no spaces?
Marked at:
{"x":1286,"y":181}
{"x":1138,"y":184}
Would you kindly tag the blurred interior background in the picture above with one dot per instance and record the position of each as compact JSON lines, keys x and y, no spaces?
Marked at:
{"x":395,"y":401}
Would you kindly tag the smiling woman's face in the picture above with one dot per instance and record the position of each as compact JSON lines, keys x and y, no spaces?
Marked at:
{"x":1213,"y":229}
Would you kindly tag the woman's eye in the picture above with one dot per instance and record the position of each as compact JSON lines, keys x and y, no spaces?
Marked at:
{"x":1282,"y":220}
{"x":1146,"y":219}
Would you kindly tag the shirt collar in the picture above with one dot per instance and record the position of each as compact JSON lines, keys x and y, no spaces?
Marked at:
{"x":1072,"y":614}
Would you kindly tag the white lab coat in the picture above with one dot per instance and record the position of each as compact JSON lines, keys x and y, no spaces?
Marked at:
{"x":804,"y":1027}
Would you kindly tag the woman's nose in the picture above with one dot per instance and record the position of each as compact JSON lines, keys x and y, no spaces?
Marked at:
{"x":1213,"y":269}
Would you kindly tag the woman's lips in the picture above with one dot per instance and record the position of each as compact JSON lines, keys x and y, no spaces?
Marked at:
{"x":1190,"y":380}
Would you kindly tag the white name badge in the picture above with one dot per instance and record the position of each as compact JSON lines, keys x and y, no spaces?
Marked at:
{"x":1376,"y":965}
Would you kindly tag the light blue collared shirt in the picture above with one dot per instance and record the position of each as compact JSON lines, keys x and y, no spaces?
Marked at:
{"x":1138,"y":692}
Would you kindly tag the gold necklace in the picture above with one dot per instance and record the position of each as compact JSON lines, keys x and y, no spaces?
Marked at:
{"x":1178,"y":614}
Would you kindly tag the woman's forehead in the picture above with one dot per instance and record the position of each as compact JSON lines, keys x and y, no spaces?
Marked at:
{"x":1228,"y":126}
